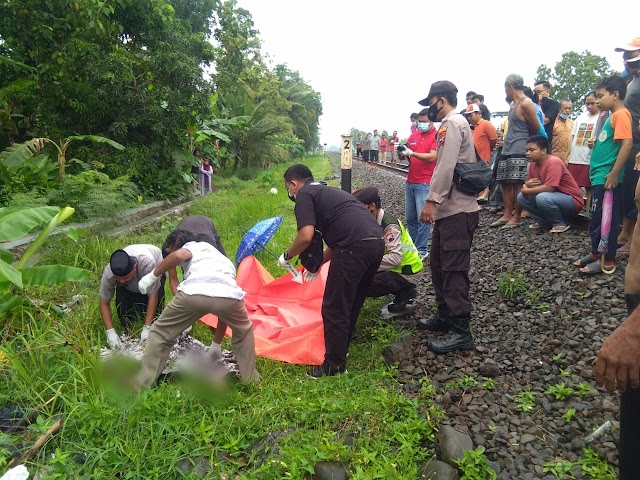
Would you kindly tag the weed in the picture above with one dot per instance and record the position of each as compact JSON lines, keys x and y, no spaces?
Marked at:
{"x":512,"y":284}
{"x":474,"y":466}
{"x":581,"y":389}
{"x":525,"y":401}
{"x":488,"y":383}
{"x":557,"y":357}
{"x":559,"y":391}
{"x":565,"y":373}
{"x":559,"y":469}
{"x":492,"y":428}
{"x":595,"y":467}
{"x":543,"y":307}
{"x":569,"y":415}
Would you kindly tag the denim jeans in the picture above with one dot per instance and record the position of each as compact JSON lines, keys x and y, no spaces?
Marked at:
{"x":549,"y":208}
{"x":415,"y":196}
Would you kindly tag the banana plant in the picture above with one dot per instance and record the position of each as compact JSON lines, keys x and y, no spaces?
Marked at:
{"x":16,"y":223}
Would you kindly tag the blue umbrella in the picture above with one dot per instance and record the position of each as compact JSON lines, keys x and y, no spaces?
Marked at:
{"x":257,"y":237}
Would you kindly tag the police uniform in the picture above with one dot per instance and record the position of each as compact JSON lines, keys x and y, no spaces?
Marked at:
{"x":456,"y":220}
{"x":356,"y":244}
{"x":130,"y":303}
{"x":401,"y":263}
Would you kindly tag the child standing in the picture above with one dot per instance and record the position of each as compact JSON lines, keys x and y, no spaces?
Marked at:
{"x":606,"y":172}
{"x":206,"y":170}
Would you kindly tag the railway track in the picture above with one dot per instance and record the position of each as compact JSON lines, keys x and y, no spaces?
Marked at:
{"x":581,"y":221}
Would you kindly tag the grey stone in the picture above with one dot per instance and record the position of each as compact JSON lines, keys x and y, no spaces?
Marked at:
{"x":398,"y":352}
{"x":527,"y":438}
{"x":452,"y":444}
{"x":198,"y":466}
{"x":437,"y":470}
{"x":330,"y":471}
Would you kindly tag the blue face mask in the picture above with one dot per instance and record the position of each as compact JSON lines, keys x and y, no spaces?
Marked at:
{"x":424,"y":126}
{"x":563,"y":116}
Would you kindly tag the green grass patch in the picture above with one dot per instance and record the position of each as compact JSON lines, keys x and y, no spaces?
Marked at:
{"x":278,"y":429}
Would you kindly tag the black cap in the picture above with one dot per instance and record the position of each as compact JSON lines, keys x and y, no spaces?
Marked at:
{"x":121,"y":263}
{"x":441,"y":87}
{"x":367,"y":195}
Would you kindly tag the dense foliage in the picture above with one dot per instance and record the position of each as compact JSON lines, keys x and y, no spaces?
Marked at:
{"x":156,"y":76}
{"x":575,"y":75}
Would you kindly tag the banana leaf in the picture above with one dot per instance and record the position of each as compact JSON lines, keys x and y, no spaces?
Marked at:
{"x":18,"y":223}
{"x":9,"y":275}
{"x":53,"y":275}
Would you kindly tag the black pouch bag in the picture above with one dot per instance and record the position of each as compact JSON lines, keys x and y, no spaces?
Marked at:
{"x":311,"y":258}
{"x":472,"y":178}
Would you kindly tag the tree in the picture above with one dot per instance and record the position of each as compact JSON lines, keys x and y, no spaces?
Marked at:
{"x":575,"y":75}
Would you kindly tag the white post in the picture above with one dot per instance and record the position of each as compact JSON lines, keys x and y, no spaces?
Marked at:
{"x":346,"y":163}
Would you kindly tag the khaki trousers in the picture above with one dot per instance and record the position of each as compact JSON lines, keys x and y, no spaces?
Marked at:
{"x":183,"y":311}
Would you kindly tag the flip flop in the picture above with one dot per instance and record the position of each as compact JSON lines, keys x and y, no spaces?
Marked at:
{"x":499,"y":223}
{"x":623,"y":251}
{"x":584,"y":261}
{"x":593,"y":268}
{"x":509,"y":226}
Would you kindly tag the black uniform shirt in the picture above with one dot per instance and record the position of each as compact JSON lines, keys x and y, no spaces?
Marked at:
{"x":340,"y":217}
{"x":201,"y":225}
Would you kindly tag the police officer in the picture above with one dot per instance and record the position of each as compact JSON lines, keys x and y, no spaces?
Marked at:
{"x":126,"y":267}
{"x":401,"y":263}
{"x":455,"y":217}
{"x":355,"y":248}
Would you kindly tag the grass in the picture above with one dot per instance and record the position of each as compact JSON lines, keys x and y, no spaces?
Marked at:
{"x":52,"y":364}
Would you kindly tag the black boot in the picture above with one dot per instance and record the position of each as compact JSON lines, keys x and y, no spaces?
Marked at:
{"x":458,"y":338}
{"x":437,"y":323}
{"x":402,"y":300}
{"x":632,"y":300}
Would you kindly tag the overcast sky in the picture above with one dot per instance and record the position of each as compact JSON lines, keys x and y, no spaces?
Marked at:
{"x":372,"y":61}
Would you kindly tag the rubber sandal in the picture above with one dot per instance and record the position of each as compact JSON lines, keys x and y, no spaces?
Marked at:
{"x":560,"y":229}
{"x":584,"y":261}
{"x":499,"y":223}
{"x":535,"y":226}
{"x":624,"y":251}
{"x":509,"y":226}
{"x":593,"y":268}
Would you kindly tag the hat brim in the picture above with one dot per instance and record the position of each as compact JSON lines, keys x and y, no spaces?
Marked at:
{"x":628,"y":48}
{"x":425,"y":101}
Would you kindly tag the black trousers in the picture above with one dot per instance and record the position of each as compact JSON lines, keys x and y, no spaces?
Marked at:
{"x":132,"y":306}
{"x":450,"y":254}
{"x":388,"y":283}
{"x":374,"y":156}
{"x":629,"y":450}
{"x":631,"y":176}
{"x":351,"y":271}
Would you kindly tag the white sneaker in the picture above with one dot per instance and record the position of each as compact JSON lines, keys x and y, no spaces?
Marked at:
{"x":425,"y":257}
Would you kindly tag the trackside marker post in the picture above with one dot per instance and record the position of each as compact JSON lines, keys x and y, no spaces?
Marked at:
{"x":345,"y":163}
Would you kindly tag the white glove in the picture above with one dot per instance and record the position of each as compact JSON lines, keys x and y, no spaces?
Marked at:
{"x":215,"y":352}
{"x":407,"y":152}
{"x":308,"y":276}
{"x":146,"y":282}
{"x":144,"y":334}
{"x":283,"y":262}
{"x":113,"y":339}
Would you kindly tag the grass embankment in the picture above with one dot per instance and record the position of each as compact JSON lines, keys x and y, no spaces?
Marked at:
{"x":51,"y":363}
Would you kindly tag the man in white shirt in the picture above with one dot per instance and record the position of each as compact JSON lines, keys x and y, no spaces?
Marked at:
{"x":209,"y":286}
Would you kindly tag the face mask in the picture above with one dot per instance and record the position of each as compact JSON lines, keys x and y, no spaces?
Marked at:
{"x":433,"y":112}
{"x":291,"y":196}
{"x":563,"y":116}
{"x":424,"y":126}
{"x":415,"y":123}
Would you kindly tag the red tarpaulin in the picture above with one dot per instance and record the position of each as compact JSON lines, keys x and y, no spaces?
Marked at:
{"x":286,"y":316}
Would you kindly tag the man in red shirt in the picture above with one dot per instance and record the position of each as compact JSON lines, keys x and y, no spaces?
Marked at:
{"x":421,"y":149}
{"x":550,"y":193}
{"x":384,"y":144}
{"x":393,"y":141}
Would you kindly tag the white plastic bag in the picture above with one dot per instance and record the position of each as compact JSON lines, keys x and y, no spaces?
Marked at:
{"x":16,"y":473}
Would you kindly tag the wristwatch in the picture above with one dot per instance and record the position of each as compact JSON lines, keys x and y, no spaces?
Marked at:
{"x":286,"y":255}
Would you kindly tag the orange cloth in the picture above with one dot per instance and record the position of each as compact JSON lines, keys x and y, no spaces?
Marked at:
{"x":286,"y":316}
